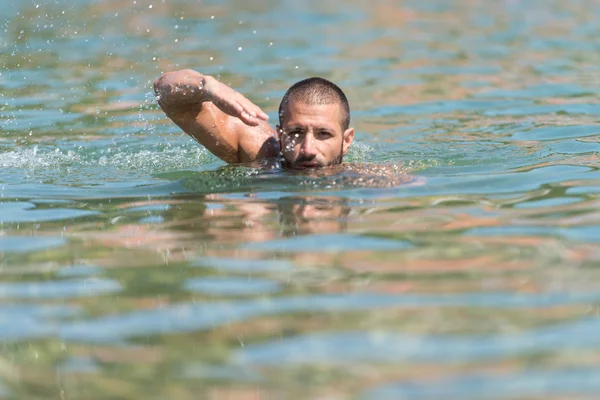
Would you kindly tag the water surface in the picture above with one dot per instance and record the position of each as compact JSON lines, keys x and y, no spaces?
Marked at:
{"x":135,"y":264}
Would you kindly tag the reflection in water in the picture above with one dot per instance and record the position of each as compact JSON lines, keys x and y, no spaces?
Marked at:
{"x":310,"y":215}
{"x":562,"y":383}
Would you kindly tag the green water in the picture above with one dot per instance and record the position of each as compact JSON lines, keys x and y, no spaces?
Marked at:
{"x":134,"y":264}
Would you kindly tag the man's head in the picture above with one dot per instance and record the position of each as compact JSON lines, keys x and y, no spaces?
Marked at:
{"x":314,"y":123}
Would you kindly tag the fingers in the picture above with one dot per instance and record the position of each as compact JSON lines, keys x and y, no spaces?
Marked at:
{"x":250,"y":113}
{"x":237,"y":105}
{"x":262,"y":115}
{"x":252,"y":108}
{"x":247,"y":117}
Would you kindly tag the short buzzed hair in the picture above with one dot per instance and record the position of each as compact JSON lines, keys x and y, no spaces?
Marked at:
{"x":317,"y":91}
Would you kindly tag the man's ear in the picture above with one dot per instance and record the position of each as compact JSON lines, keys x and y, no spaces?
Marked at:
{"x":348,"y":138}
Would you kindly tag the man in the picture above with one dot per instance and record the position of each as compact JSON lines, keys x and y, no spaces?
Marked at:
{"x":313,"y":129}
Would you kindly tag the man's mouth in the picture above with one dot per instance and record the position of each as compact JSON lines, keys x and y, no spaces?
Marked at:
{"x":308,"y":164}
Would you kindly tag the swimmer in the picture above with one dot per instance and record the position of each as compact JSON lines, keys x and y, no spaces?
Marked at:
{"x":314,"y":120}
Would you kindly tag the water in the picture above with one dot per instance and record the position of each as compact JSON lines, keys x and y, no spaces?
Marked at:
{"x":134,"y":264}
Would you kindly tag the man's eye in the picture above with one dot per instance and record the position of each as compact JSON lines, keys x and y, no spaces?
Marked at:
{"x":324,"y":134}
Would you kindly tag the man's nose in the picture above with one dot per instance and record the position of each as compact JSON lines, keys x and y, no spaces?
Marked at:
{"x":308,"y":145}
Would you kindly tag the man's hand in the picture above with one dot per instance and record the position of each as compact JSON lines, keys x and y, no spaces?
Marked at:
{"x":233,"y":103}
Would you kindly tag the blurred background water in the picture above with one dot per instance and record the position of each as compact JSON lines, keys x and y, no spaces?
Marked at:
{"x":134,"y":264}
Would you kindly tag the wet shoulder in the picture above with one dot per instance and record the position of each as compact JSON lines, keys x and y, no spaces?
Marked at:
{"x":343,"y":175}
{"x":374,"y":175}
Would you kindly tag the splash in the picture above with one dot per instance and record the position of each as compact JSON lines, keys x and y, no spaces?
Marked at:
{"x":33,"y":159}
{"x":81,"y":163}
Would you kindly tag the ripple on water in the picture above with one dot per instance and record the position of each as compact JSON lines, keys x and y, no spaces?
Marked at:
{"x":190,"y":317}
{"x":329,"y":243}
{"x":218,"y":372}
{"x":557,"y":132}
{"x":22,"y":321}
{"x":554,"y":202}
{"x":451,"y":106}
{"x":574,"y":147}
{"x":231,"y":286}
{"x":586,"y":233}
{"x":24,"y":119}
{"x":539,"y":91}
{"x":528,"y":383}
{"x":343,"y":348}
{"x":12,"y":212}
{"x":64,"y":289}
{"x":240,"y":265}
{"x":581,"y":109}
{"x":505,"y":182}
{"x":78,"y":270}
{"x":22,"y":244}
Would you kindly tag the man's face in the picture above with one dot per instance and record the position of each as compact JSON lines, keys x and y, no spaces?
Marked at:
{"x":312,"y":135}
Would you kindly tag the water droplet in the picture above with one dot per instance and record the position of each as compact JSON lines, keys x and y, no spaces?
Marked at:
{"x":240,"y":48}
{"x":211,"y":59}
{"x":150,"y":6}
{"x":212,"y":17}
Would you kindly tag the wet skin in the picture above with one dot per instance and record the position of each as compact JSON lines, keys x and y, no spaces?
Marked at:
{"x":312,"y":135}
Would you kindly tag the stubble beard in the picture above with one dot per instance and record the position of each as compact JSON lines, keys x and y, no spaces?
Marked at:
{"x":336,"y":161}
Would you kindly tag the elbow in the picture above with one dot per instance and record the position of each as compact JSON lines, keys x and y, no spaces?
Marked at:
{"x":178,"y":88}
{"x":168,"y":80}
{"x":161,"y":84}
{"x":157,"y":85}
{"x":180,"y":76}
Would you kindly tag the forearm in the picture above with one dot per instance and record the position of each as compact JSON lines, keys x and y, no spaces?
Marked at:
{"x":178,"y":90}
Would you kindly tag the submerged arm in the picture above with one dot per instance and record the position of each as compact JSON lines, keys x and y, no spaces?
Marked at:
{"x":221,"y":119}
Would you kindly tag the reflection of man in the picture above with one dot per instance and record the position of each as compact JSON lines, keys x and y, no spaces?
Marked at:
{"x":313,"y":129}
{"x":306,"y":215}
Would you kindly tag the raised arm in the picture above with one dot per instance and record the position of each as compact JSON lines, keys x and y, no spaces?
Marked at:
{"x":225,"y":122}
